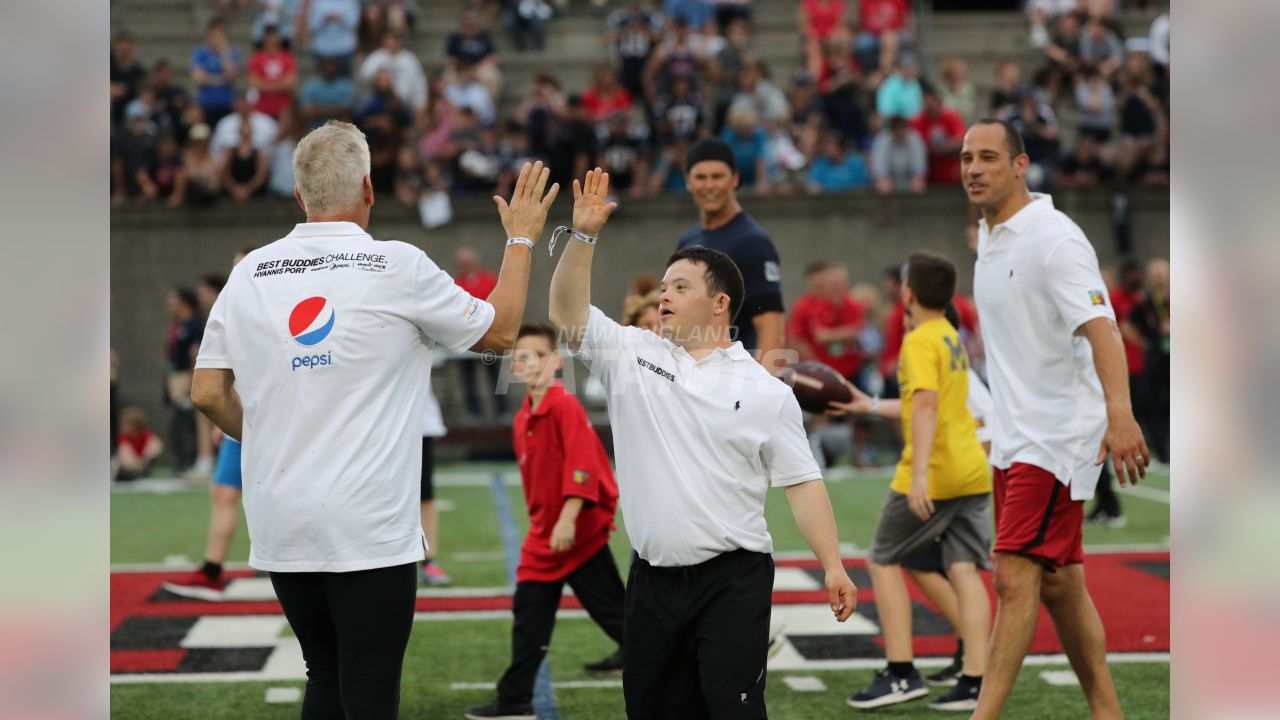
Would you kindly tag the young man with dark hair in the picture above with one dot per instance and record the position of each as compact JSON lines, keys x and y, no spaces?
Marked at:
{"x":939,"y":494}
{"x":711,"y":174}
{"x":701,"y":431}
{"x":572,"y":496}
{"x":1061,"y":393}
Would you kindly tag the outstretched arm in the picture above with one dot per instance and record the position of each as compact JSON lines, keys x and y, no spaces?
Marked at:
{"x":812,"y":510}
{"x":570,"y":302}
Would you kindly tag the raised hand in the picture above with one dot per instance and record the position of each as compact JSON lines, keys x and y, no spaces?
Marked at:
{"x":590,"y":209}
{"x":527,"y":213}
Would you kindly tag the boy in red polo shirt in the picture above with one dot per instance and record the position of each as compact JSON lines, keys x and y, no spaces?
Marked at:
{"x":572,"y":496}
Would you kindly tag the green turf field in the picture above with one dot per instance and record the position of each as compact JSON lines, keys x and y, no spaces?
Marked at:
{"x":148,"y":528}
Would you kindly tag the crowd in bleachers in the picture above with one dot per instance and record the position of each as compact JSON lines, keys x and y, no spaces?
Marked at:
{"x":859,"y":113}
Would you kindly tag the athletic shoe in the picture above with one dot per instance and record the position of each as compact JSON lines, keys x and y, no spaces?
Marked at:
{"x":961,"y":697}
{"x":887,"y":689}
{"x":1110,"y":522}
{"x":611,"y":665}
{"x":432,"y":576}
{"x":201,"y":470}
{"x":495,"y":710}
{"x":198,"y":586}
{"x":948,"y":676}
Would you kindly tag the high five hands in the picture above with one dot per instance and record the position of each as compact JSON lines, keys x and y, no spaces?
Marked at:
{"x":590,"y":209}
{"x":526,"y":214}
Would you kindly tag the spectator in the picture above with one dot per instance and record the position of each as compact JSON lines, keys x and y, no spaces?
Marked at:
{"x":1150,"y":319}
{"x":942,"y":130}
{"x":525,"y":19}
{"x":682,"y":54}
{"x":199,"y":181}
{"x":844,"y":103}
{"x":207,"y":291}
{"x":126,"y":75}
{"x":330,"y":95}
{"x":898,"y":159}
{"x":870,"y":338}
{"x":1158,"y":40}
{"x":137,"y":149}
{"x":678,"y":114}
{"x":1036,"y":122}
{"x":214,"y":68}
{"x":605,"y":96}
{"x":668,"y":169}
{"x":750,"y":145}
{"x":695,"y":14}
{"x":1084,"y":166}
{"x":479,"y":167}
{"x":291,"y":128}
{"x":825,"y":322}
{"x":332,"y":25}
{"x":1063,"y":52}
{"x":642,"y":311}
{"x":186,"y":328}
{"x":1097,"y":105}
{"x":631,"y":34}
{"x":171,"y":102}
{"x":407,"y":76}
{"x":624,"y":154}
{"x":891,"y":287}
{"x":883,"y":30}
{"x":437,"y":123}
{"x":1043,"y":12}
{"x":244,"y":167}
{"x":574,"y":150}
{"x":1125,"y":297}
{"x":385,"y":120}
{"x":838,"y":168}
{"x":726,"y":66}
{"x":1008,"y":81}
{"x":729,"y":10}
{"x":227,"y":133}
{"x":1141,"y":115}
{"x":160,"y":178}
{"x":804,"y":115}
{"x":137,"y":447}
{"x":471,"y":47}
{"x":1152,"y":168}
{"x":540,"y":113}
{"x":272,"y":74}
{"x":479,"y":282}
{"x":901,"y":94}
{"x":956,"y":90}
{"x":759,"y":95}
{"x":280,"y":14}
{"x":467,"y":91}
{"x":818,"y":20}
{"x":1101,"y":49}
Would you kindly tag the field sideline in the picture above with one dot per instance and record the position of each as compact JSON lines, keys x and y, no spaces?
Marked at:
{"x":461,"y":642}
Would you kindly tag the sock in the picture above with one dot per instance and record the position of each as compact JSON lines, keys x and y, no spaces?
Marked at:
{"x":970,"y":681}
{"x":211,"y":570}
{"x":902,"y":669}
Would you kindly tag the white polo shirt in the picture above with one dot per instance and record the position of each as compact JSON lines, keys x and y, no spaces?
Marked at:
{"x":1036,"y":282}
{"x":697,"y":442}
{"x":330,"y":335}
{"x":979,"y":404}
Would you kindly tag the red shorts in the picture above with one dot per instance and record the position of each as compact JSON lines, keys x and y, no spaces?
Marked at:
{"x":1036,"y":517}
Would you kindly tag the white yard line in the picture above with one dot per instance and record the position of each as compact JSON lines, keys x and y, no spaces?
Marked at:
{"x":1146,"y":493}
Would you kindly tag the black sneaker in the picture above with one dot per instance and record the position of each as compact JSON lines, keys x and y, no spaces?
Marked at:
{"x":962,"y":697}
{"x":495,"y":710}
{"x":611,"y":665}
{"x":887,"y":689}
{"x":947,"y":676}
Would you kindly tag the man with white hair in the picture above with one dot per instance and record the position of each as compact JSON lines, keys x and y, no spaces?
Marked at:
{"x":315,"y":357}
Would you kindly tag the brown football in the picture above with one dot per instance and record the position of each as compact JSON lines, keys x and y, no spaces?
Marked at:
{"x":815,"y":385}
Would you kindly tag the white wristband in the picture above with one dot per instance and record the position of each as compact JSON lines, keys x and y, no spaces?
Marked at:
{"x":520,"y":241}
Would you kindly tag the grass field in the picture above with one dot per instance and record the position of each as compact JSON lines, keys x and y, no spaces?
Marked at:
{"x":150,"y":528}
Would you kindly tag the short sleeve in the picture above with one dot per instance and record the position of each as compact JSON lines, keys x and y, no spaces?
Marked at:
{"x":761,"y":269}
{"x":787,"y":454}
{"x":445,"y":312}
{"x":214,"y":353}
{"x":1075,"y":284}
{"x":601,"y":345}
{"x":582,"y":473}
{"x":919,"y":363}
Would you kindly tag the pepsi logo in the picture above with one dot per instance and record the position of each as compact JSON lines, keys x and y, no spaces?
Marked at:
{"x":311,"y":321}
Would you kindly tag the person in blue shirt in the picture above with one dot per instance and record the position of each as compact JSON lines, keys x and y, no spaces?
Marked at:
{"x":750,"y":145}
{"x":329,"y":95}
{"x":333,"y":25}
{"x":711,"y":173}
{"x":697,"y":14}
{"x":838,"y":167}
{"x":214,"y":68}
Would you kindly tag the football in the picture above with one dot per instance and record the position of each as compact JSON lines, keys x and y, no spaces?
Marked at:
{"x":815,"y":385}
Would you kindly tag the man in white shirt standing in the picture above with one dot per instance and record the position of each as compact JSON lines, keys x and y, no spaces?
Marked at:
{"x":407,"y":77}
{"x":327,"y":335}
{"x":1060,"y":390}
{"x":700,"y":432}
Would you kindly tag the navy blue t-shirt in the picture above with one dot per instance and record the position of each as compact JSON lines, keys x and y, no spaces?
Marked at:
{"x":743,"y":240}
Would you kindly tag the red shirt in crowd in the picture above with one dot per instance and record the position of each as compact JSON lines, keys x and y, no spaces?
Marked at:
{"x":479,"y":283}
{"x":893,"y":333}
{"x":811,"y":314}
{"x":600,"y":107}
{"x":877,"y":16}
{"x":824,"y":17}
{"x":272,"y":67}
{"x":560,"y":457}
{"x":1123,"y":302}
{"x":944,"y":167}
{"x":136,"y":441}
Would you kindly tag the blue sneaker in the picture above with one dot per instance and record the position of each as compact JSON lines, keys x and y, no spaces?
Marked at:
{"x":962,"y":697}
{"x":887,"y":689}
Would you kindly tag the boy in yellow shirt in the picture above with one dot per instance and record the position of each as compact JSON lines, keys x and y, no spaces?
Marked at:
{"x":939,"y":494}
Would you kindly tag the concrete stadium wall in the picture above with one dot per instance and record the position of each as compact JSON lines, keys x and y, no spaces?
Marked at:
{"x":153,"y":250}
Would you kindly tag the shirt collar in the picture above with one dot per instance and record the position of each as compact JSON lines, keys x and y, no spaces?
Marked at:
{"x":735,"y":352}
{"x":553,"y":392}
{"x":1021,"y":219}
{"x":326,"y":229}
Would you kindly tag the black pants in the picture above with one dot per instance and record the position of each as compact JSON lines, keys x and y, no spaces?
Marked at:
{"x":1108,"y":502}
{"x":698,"y":638}
{"x":353,"y":628}
{"x":597,"y":585}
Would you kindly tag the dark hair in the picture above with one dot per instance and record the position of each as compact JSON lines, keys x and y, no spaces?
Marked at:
{"x":893,"y":272}
{"x":187,"y":297}
{"x":538,"y":329}
{"x":952,"y":315}
{"x":1012,"y":139}
{"x":932,"y":278}
{"x":722,"y":274}
{"x":215,"y":281}
{"x":816,"y":267}
{"x":217,"y":23}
